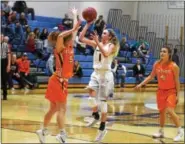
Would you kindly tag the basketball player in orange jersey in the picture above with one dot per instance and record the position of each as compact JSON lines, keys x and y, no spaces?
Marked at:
{"x":167,"y":73}
{"x":57,"y":87}
{"x":101,"y":84}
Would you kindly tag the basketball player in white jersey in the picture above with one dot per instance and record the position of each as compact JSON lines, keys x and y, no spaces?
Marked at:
{"x":102,"y":81}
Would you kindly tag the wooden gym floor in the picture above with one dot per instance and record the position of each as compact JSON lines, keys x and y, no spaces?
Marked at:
{"x":132,"y":117}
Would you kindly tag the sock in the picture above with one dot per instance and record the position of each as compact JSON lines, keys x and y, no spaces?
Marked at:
{"x":96,"y":115}
{"x":161,"y":129}
{"x":102,"y":126}
{"x":44,"y":131}
{"x":179,"y":129}
{"x":62,"y":131}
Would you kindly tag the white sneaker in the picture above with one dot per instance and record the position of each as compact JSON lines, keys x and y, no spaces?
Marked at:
{"x":26,"y":90}
{"x":160,"y":134}
{"x":101,"y":135}
{"x":12,"y":90}
{"x":92,"y":123}
{"x":180,"y":136}
{"x":61,"y":137}
{"x":41,"y":134}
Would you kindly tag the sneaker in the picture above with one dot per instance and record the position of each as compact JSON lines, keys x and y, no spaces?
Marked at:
{"x":26,"y":90}
{"x":61,"y":137}
{"x":41,"y":134}
{"x":92,"y":123}
{"x":101,"y":135}
{"x":160,"y":134}
{"x":180,"y":136}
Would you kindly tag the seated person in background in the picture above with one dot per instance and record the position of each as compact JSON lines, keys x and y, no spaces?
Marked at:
{"x":18,"y":35}
{"x":21,"y":6}
{"x":24,"y":69}
{"x":124,"y":45}
{"x":23,"y":21}
{"x":37,"y":33}
{"x":30,"y":43}
{"x":139,"y":71}
{"x":6,"y":8}
{"x":27,"y":32}
{"x":77,"y":71}
{"x":135,"y":54}
{"x":14,"y":73}
{"x":115,"y":67}
{"x":67,"y":22}
{"x":12,"y":17}
{"x":142,"y":51}
{"x":44,"y":34}
{"x":50,"y":65}
{"x":99,"y":25}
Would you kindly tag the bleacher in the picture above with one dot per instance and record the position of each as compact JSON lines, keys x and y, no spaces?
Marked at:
{"x":39,"y":66}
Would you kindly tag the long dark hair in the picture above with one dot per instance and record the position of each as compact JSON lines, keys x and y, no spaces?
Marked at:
{"x":169,"y":52}
{"x":54,"y":35}
{"x":114,"y":40}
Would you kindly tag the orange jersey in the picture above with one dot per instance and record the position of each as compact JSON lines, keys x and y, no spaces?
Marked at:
{"x":165,"y":76}
{"x":65,"y":63}
{"x":23,"y":65}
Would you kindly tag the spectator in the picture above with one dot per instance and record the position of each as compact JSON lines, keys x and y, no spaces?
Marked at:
{"x":27,"y":32}
{"x":14,"y":73}
{"x":44,"y":34}
{"x":67,"y":22}
{"x":135,"y":54}
{"x":18,"y":34}
{"x":24,"y":69}
{"x":50,"y":65}
{"x":139,"y":72}
{"x":175,"y":57}
{"x":37,"y":33}
{"x":99,"y":25}
{"x":6,"y":8}
{"x":142,"y":51}
{"x":3,"y":18}
{"x":18,"y":30}
{"x":2,"y":38}
{"x":23,"y":21}
{"x":77,"y":70}
{"x":115,"y":67}
{"x":30,"y":43}
{"x":20,"y":6}
{"x":124,"y":45}
{"x":12,"y":18}
{"x":3,"y":22}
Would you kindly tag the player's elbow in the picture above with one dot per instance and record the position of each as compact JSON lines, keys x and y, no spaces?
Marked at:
{"x":151,"y":77}
{"x":81,"y":38}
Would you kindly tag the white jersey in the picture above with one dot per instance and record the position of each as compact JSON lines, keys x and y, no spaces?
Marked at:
{"x":101,"y":62}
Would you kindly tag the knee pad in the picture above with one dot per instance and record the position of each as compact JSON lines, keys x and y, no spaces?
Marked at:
{"x":103,"y":106}
{"x":92,"y":101}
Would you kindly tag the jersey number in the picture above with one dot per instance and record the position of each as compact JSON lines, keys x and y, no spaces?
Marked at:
{"x":99,"y":57}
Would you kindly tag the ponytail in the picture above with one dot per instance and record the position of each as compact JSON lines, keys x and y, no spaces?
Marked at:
{"x":114,"y":40}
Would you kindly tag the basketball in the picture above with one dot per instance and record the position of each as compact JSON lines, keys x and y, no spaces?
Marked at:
{"x":89,"y":14}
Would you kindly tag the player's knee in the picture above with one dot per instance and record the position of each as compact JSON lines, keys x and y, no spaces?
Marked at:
{"x":92,"y":93}
{"x":103,"y":106}
{"x":92,"y":102}
{"x":163,"y":111}
{"x":169,"y":110}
